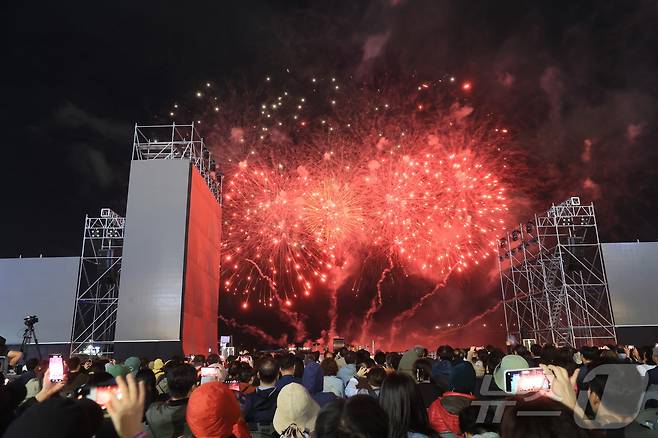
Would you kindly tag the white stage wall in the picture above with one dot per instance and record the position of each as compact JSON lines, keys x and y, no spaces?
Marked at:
{"x":38,"y":286}
{"x":632,"y":271}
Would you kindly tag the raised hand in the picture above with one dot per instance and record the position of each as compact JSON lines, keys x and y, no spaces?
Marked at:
{"x":562,"y":386}
{"x":48,"y":388}
{"x":126,"y":408}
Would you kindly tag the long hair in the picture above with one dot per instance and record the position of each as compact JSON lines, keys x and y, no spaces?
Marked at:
{"x":357,"y":417}
{"x":403,"y":403}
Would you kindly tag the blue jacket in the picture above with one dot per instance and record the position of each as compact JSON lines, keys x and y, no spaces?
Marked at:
{"x":284,"y":380}
{"x":441,"y":372}
{"x":313,"y":378}
{"x":346,"y":373}
{"x":259,"y":406}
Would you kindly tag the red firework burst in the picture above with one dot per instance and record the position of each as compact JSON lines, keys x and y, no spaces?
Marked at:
{"x":310,"y":179}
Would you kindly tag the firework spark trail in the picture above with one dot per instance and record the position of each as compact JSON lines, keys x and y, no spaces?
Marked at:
{"x":267,"y":278}
{"x":399,"y":319}
{"x":292,"y":318}
{"x":255,"y":331}
{"x":376,"y":302}
{"x":423,"y":336}
{"x":333,"y":313}
{"x":474,"y":319}
{"x":295,"y":319}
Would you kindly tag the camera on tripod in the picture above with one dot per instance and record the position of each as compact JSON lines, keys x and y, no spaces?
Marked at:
{"x":30,"y":334}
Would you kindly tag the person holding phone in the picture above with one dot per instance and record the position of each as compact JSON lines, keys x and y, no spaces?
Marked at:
{"x":127,"y":411}
{"x":56,"y":368}
{"x":349,"y":370}
{"x":427,"y":387}
{"x":57,"y":417}
{"x":351,"y":389}
{"x":50,"y":386}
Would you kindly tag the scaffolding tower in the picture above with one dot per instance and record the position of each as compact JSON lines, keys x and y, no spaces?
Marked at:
{"x":97,"y":295}
{"x":553,"y":281}
{"x":170,"y":142}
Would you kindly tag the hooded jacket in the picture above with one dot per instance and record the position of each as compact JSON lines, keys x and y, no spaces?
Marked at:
{"x":213,"y":412}
{"x":444,"y":412}
{"x":407,"y":363}
{"x":441,"y":370}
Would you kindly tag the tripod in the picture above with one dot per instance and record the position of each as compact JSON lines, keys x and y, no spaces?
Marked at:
{"x":28,"y":334}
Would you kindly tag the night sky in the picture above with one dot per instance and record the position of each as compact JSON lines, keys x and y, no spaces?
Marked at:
{"x":576,"y":81}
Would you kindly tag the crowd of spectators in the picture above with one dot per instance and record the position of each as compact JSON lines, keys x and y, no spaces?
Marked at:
{"x":605,"y":391}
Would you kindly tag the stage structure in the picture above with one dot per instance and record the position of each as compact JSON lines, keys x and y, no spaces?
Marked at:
{"x":553,"y":279}
{"x":169,"y":292}
{"x":97,"y":294}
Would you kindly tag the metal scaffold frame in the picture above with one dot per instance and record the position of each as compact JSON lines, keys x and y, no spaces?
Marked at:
{"x":97,"y":295}
{"x":553,"y":280}
{"x":169,"y":142}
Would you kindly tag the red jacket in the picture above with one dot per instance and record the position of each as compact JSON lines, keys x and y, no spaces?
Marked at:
{"x":213,"y":412}
{"x":443,"y":413}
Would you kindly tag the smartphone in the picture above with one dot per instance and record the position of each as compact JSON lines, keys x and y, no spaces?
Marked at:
{"x":56,"y":367}
{"x":233,"y":385}
{"x":209,"y":374}
{"x":103,"y":394}
{"x":525,"y":380}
